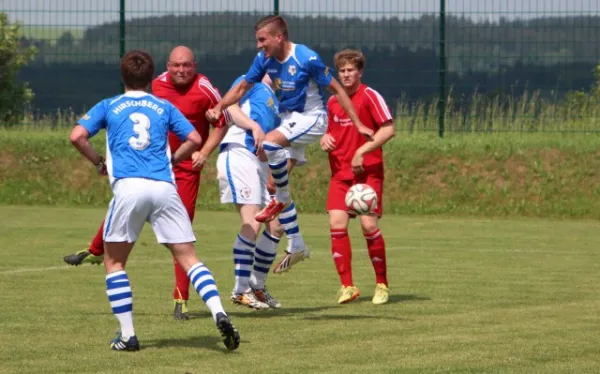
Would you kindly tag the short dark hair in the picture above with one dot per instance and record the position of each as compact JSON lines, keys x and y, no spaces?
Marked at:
{"x":277,"y":21}
{"x":137,"y":69}
{"x":349,"y":56}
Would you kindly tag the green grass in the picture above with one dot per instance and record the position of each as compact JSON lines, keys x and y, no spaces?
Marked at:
{"x":468,"y":296}
{"x":541,"y":175}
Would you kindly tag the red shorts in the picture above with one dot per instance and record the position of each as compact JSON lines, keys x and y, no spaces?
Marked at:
{"x":188,"y":183}
{"x":338,"y":189}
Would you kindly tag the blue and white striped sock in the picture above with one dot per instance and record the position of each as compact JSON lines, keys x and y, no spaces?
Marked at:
{"x":205,"y":286}
{"x":243,"y":259}
{"x":278,"y":164}
{"x":289,"y":220}
{"x":121,"y":301}
{"x":264,"y":255}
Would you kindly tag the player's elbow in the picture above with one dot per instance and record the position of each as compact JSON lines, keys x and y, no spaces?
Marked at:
{"x":390,"y":130}
{"x":195,"y":138}
{"x":78,"y":135}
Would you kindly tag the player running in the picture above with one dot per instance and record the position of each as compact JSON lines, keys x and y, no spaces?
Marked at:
{"x":193,"y":94}
{"x":353,"y":160}
{"x":243,"y":181}
{"x":139,"y":166}
{"x":298,"y":77}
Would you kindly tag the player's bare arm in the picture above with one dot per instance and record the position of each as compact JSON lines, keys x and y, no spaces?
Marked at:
{"x":246,"y":123}
{"x":382,"y":136}
{"x":231,"y":97}
{"x":344,"y":100}
{"x":80,"y":140}
{"x":192,"y":142}
{"x":212,"y":142}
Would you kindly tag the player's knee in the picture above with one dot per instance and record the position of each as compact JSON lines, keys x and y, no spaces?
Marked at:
{"x":369,"y":224}
{"x":338,"y":219}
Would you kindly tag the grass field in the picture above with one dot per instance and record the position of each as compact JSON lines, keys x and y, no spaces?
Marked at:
{"x":468,"y":296}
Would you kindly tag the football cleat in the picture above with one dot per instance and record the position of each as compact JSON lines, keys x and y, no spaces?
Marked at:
{"x":180,"y":312}
{"x":249,"y":300}
{"x":290,"y":260}
{"x":382,"y":294}
{"x":347,"y":294}
{"x":231,"y":336}
{"x":265,"y":297}
{"x":120,"y":344}
{"x":83,"y":256}
{"x":270,"y":212}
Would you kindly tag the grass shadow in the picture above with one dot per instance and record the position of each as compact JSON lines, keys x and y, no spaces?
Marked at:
{"x":214,"y":343}
{"x":395,"y":298}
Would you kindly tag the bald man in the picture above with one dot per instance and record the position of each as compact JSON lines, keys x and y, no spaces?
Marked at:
{"x":193,"y":94}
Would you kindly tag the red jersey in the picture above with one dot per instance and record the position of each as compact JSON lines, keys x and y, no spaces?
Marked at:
{"x":193,"y":102}
{"x":373,"y":112}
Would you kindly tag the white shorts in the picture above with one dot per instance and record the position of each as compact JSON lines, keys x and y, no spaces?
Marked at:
{"x":301,"y":129}
{"x":137,"y":201}
{"x":242,"y":177}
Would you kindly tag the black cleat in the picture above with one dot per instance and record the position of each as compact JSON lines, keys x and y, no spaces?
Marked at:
{"x":181,"y":311}
{"x":119,"y":344}
{"x":228,"y":332}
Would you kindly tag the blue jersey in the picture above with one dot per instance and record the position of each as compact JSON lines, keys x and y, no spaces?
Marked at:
{"x":259,"y":104}
{"x":298,"y":81}
{"x":137,"y":125}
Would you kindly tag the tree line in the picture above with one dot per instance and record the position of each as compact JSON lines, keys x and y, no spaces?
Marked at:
{"x":550,"y":54}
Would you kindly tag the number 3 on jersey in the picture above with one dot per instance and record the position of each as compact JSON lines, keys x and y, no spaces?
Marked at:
{"x":141,"y":124}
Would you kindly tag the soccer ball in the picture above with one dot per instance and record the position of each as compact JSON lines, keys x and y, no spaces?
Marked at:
{"x":361,"y":199}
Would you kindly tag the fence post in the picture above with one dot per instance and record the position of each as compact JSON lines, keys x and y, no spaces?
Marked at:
{"x":276,"y":7}
{"x":442,"y":72}
{"x":122,"y":34}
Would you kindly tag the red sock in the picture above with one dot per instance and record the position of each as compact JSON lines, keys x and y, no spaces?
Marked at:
{"x":182,"y":283}
{"x":376,"y":246}
{"x":97,"y":246}
{"x":341,"y":251}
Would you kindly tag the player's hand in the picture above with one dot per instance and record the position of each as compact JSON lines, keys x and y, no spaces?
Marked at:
{"x":259,"y":137}
{"x":101,"y":167}
{"x":198,"y":160}
{"x":262,"y":156}
{"x":327,"y":143}
{"x":357,"y":163}
{"x":365,"y":131}
{"x":213,"y":114}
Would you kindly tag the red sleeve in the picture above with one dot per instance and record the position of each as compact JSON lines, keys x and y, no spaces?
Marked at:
{"x":214,"y":96}
{"x":377,"y":107}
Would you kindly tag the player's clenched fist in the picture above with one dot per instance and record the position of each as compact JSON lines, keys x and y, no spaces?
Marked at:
{"x":213,"y":114}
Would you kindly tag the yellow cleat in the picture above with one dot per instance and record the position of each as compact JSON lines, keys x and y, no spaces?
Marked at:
{"x":382,"y":294}
{"x":347,"y":294}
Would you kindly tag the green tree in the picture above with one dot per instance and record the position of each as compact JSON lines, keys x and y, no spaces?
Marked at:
{"x":15,"y":96}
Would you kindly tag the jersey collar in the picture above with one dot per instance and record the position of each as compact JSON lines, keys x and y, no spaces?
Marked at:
{"x":135,"y":94}
{"x":292,"y":53}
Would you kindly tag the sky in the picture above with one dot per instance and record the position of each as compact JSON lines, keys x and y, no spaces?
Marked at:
{"x":81,"y":13}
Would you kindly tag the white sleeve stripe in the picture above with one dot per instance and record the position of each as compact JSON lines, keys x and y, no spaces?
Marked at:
{"x":215,"y":94}
{"x":380,"y":105}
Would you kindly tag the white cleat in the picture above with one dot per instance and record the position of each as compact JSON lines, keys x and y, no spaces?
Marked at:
{"x":264,"y":296}
{"x":290,"y":260}
{"x":248,"y":299}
